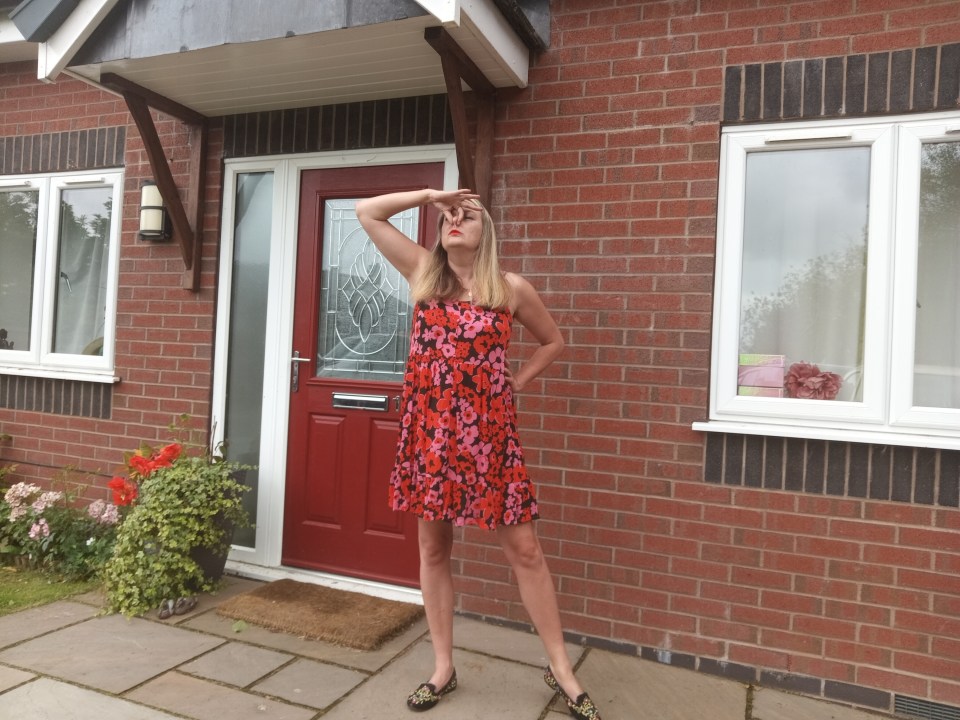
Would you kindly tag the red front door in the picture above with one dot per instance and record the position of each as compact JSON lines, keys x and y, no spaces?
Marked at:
{"x":351,"y":335}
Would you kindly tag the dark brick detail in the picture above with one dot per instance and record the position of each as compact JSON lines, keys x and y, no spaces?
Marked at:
{"x":729,"y":670}
{"x":901,"y":67}
{"x":772,"y":83}
{"x":904,"y":81}
{"x":395,"y":122}
{"x":62,"y":152}
{"x":753,"y":462}
{"x":812,"y":88}
{"x":57,"y":397}
{"x":925,"y":476}
{"x":673,"y":659}
{"x":949,"y":80}
{"x":854,"y":89}
{"x":867,"y":697}
{"x":791,"y":682}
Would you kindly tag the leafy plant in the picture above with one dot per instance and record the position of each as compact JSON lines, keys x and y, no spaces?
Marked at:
{"x":178,"y":505}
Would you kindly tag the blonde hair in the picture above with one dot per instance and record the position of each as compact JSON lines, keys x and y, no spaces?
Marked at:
{"x":438,"y":281}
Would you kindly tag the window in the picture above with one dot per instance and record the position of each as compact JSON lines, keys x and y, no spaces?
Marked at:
{"x":59,"y":239}
{"x":837,"y":308}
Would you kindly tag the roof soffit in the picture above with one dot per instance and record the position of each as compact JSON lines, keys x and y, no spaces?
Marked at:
{"x":350,"y":50}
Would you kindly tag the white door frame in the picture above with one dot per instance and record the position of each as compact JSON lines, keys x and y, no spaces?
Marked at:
{"x":287,"y":170}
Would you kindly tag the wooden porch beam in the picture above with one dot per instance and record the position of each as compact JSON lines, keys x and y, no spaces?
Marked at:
{"x":189,"y":234}
{"x":475,"y":166}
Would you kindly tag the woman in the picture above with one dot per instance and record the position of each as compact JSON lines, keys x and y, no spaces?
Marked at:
{"x":459,"y":459}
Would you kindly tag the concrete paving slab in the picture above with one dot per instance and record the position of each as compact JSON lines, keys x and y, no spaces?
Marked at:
{"x":117,"y":653}
{"x":236,"y":664}
{"x":30,"y":623}
{"x":488,"y":688}
{"x":625,"y":687}
{"x":47,"y":699}
{"x":517,"y":646}
{"x":11,"y":677}
{"x":307,"y":682}
{"x":370,"y":661}
{"x":204,"y":700}
{"x":775,"y":705}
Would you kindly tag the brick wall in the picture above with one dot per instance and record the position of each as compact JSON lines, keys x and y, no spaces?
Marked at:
{"x":605,"y":180}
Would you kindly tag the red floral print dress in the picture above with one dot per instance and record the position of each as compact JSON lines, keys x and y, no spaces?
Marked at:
{"x":459,"y":457}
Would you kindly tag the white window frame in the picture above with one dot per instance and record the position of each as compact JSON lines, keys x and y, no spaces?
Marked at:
{"x":38,"y":360}
{"x":886,"y":413}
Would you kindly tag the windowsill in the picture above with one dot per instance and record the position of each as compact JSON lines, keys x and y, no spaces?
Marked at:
{"x":99,"y":376}
{"x":811,"y":432}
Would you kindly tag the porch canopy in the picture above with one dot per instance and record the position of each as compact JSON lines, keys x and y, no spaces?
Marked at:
{"x":222,"y":57}
{"x":197,"y":59}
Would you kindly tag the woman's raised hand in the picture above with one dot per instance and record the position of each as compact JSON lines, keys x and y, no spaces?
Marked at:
{"x":450,"y":202}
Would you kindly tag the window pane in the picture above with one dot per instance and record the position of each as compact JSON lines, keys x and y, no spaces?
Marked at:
{"x":248,"y":324}
{"x":18,"y":243}
{"x":804,"y":273}
{"x":936,"y":380}
{"x":82,"y":266}
{"x":364,"y":323}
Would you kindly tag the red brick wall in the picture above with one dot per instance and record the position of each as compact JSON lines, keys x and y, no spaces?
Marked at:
{"x":606,"y":190}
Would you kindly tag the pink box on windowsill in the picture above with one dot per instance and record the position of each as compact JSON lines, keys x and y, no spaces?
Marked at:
{"x":764,"y":371}
{"x":752,"y":391}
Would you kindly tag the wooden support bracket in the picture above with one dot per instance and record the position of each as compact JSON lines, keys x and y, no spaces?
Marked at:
{"x":189,"y":233}
{"x":475,"y":166}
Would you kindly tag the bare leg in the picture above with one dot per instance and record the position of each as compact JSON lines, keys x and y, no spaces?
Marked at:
{"x":523,"y":551}
{"x":436,"y":584}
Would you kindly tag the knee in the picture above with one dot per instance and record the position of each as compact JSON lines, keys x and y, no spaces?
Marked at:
{"x":435,"y":548}
{"x":526,"y":554}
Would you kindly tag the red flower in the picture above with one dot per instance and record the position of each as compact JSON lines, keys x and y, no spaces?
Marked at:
{"x":166,"y":456}
{"x":804,"y":380}
{"x":124,"y":491}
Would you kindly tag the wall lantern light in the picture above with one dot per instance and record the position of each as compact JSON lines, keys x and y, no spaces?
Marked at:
{"x":154,"y":220}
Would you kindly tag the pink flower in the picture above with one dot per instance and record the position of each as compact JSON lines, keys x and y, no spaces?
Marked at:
{"x":804,"y":380}
{"x":39,"y":529}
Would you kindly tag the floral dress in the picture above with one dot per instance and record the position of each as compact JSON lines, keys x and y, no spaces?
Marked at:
{"x":459,"y":457}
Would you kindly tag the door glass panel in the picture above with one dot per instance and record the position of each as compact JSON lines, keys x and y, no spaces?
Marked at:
{"x":364,"y":305}
{"x":936,"y":379}
{"x":83,"y":254}
{"x":248,"y":323}
{"x":802,"y":301}
{"x":18,"y":243}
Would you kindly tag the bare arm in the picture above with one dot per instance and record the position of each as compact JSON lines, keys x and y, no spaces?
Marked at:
{"x":534,"y":316}
{"x":374,"y":215}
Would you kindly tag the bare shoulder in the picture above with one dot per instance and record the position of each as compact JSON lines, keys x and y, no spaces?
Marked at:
{"x":524,"y":296}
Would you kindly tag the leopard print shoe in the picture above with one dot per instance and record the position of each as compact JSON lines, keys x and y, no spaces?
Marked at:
{"x":426,"y":696}
{"x":582,"y":708}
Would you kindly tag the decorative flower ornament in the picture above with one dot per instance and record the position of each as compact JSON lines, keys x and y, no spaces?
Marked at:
{"x":805,"y":380}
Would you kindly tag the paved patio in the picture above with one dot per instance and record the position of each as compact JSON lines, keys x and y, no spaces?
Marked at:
{"x":63,"y":661}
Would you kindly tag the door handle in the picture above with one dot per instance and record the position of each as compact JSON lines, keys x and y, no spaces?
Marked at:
{"x":296,"y":360}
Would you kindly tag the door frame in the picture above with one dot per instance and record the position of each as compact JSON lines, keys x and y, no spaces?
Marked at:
{"x":278,"y":338}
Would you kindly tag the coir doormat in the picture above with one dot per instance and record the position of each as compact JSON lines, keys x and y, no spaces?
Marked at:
{"x":321,"y":613}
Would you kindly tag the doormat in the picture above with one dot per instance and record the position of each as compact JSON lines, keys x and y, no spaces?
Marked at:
{"x":320,"y":613}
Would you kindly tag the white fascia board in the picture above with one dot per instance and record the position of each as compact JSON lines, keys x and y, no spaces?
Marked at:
{"x":484,"y":22}
{"x":489,"y":27}
{"x":446,"y":11}
{"x":57,"y":52}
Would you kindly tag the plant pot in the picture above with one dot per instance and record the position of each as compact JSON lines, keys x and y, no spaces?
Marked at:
{"x":213,"y":561}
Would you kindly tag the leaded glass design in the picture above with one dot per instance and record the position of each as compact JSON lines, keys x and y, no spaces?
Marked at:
{"x":364,"y":317}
